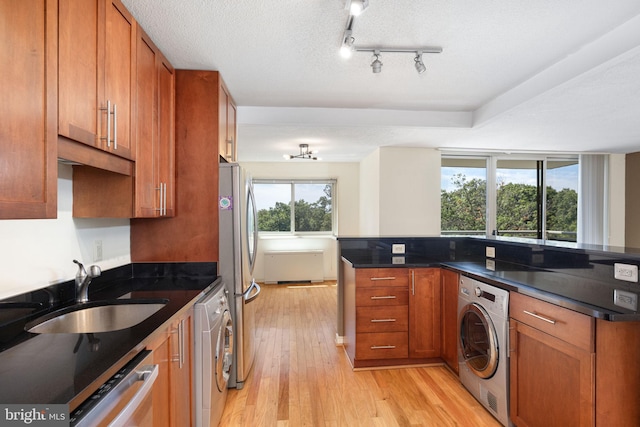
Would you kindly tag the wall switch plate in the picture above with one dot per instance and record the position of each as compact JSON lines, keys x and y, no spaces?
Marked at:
{"x":490,"y":251}
{"x":97,"y":250}
{"x":626,"y":272}
{"x":397,"y":260}
{"x":625,"y":299}
{"x":397,"y":248}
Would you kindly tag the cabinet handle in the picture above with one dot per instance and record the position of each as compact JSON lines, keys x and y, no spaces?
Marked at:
{"x":383,"y":278}
{"x":164,"y":208}
{"x":108,"y":111}
{"x":413,"y":282}
{"x":382,"y":320}
{"x":537,"y":316}
{"x":384,"y":297}
{"x":180,"y":356}
{"x":115,"y":128}
{"x":381,"y":347}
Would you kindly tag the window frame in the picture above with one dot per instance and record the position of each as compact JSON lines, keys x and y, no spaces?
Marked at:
{"x":292,"y":182}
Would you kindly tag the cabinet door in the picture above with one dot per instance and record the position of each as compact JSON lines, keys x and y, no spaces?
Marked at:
{"x":180,"y":392}
{"x":449,"y":280}
{"x":119,"y":84}
{"x":28,"y":159}
{"x":224,"y":145}
{"x":161,"y":399}
{"x":551,"y":381}
{"x":424,"y":313}
{"x":166,"y":130}
{"x":231,"y":129}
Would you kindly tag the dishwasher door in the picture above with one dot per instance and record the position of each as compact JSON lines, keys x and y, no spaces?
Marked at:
{"x":124,"y":400}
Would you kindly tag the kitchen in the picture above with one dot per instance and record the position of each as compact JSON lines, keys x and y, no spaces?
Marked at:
{"x":39,"y":252}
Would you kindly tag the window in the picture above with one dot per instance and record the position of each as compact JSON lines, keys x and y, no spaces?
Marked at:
{"x":295,"y":206}
{"x":534,"y":197}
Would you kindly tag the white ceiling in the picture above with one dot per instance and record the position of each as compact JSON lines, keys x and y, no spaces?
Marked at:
{"x":514,"y":75}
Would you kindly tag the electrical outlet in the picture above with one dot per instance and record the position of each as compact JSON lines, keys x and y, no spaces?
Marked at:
{"x":397,"y":260}
{"x":626,"y":272}
{"x":97,"y":250}
{"x":397,"y":248}
{"x":625,"y":299}
{"x":490,"y":252}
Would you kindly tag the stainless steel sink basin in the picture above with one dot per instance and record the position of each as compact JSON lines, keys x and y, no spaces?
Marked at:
{"x":96,"y":316}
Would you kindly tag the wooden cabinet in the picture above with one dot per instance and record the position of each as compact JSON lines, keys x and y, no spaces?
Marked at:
{"x":28,"y":160}
{"x":552,"y":375}
{"x":96,"y":74}
{"x":172,"y":390}
{"x":154,"y":117}
{"x":449,"y":280}
{"x":227,"y":141}
{"x":424,"y":313}
{"x":192,"y":234}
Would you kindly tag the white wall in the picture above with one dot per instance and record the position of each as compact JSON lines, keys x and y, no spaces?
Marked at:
{"x":347,"y":190}
{"x":36,"y":253}
{"x":400,"y":192}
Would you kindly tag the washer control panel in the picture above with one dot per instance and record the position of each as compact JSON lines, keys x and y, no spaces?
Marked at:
{"x":493,"y":299}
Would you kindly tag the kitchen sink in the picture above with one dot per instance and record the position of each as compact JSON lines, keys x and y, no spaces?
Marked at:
{"x":96,"y":316}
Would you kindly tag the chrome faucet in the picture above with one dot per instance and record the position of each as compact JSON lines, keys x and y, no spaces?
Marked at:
{"x":83,"y":280}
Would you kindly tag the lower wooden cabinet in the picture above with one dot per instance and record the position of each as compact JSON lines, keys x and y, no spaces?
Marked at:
{"x":172,"y":392}
{"x":424,"y":313}
{"x":449,"y":280}
{"x":552,"y":375}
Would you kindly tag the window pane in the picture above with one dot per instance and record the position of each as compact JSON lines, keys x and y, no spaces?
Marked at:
{"x":517,"y":198}
{"x":273,"y":202}
{"x":463,"y":196}
{"x":313,"y":207}
{"x":562,"y":200}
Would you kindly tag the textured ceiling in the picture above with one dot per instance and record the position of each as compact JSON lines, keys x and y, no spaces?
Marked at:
{"x":514,"y":75}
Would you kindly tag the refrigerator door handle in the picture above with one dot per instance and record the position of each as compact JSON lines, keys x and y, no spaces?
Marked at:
{"x":247,"y":294}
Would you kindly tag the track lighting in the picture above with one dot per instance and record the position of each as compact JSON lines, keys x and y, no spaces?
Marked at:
{"x":304,"y":154}
{"x":376,"y":65}
{"x":346,"y":50}
{"x":420,"y":68}
{"x":356,"y":7}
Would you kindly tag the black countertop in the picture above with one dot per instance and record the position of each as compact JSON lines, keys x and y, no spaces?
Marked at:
{"x":66,"y":368}
{"x":589,"y":296}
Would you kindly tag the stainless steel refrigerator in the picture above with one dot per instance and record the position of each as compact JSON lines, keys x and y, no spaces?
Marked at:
{"x":238,"y":245}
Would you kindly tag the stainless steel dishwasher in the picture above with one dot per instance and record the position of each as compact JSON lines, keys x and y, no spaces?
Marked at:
{"x":213,"y":355}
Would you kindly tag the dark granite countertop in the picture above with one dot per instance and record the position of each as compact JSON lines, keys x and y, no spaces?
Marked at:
{"x":583,"y":294}
{"x":66,"y":368}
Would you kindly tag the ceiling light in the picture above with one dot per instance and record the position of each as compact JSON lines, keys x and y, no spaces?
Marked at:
{"x":420,"y":68}
{"x":356,"y":7}
{"x":304,"y":154}
{"x":376,"y":65}
{"x":346,"y":50}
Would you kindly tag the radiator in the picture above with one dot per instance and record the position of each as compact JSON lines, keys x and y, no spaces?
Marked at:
{"x":293,"y":266}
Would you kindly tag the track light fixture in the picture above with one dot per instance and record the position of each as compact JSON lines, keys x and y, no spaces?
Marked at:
{"x":376,"y":65}
{"x":348,"y":46}
{"x":304,"y":154}
{"x":420,"y":68}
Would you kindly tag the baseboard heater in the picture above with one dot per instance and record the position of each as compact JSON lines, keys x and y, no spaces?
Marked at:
{"x":293,"y":266}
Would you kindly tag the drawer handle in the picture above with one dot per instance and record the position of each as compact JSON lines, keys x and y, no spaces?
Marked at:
{"x":537,"y":316}
{"x":384,"y":278}
{"x":382,"y":347}
{"x":384,"y":297}
{"x":382,"y":320}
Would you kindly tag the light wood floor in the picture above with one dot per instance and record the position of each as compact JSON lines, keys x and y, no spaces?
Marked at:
{"x":301,"y":378}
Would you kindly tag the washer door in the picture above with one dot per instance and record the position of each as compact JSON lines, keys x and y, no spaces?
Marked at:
{"x":224,"y":351}
{"x":478,"y":341}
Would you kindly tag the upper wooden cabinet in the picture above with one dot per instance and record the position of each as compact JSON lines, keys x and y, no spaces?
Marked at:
{"x":227,"y":141}
{"x":154,"y":123}
{"x":28,"y":160}
{"x":96,"y":82}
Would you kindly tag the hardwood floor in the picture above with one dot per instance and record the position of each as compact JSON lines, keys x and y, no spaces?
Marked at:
{"x":301,"y":378}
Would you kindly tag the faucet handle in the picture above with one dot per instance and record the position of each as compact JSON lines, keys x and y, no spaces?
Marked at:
{"x":94,"y":271}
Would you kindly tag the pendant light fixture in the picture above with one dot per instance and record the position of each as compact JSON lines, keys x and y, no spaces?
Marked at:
{"x":304,"y":154}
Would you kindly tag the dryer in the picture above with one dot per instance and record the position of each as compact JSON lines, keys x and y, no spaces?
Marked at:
{"x":213,"y":355}
{"x":483,"y":354}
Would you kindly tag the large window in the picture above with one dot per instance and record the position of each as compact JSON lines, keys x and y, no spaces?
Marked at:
{"x":528,"y":197}
{"x":295,"y":206}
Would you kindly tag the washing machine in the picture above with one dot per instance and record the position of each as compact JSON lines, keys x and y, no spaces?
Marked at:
{"x":213,"y":355}
{"x":483,"y":353}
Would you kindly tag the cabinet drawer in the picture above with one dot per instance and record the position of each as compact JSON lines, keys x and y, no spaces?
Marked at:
{"x":368,"y":277}
{"x":385,"y":345}
{"x":382,"y":319}
{"x":568,"y":325}
{"x":382,"y":296}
